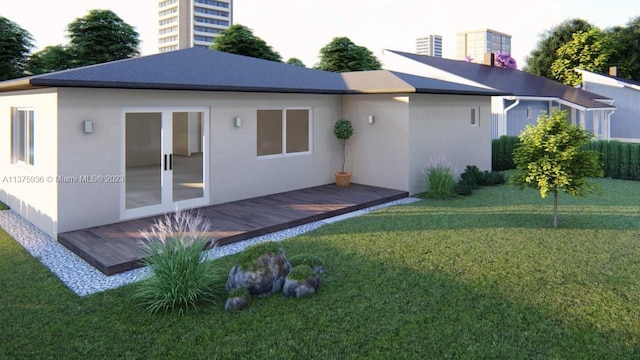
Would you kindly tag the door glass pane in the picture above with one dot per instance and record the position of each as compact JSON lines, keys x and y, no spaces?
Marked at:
{"x":188,"y":179}
{"x":143,"y":159}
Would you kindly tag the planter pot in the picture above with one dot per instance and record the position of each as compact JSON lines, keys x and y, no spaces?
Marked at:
{"x":343,"y":179}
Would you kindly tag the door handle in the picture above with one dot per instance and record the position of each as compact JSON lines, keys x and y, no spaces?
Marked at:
{"x":165,"y":162}
{"x":171,"y":162}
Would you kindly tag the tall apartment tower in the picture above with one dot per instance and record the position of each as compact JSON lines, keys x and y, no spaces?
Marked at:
{"x":188,"y":23}
{"x":429,"y":45}
{"x":474,"y":44}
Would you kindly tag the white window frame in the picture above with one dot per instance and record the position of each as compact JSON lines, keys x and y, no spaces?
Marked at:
{"x":22,"y":141}
{"x":284,"y":152}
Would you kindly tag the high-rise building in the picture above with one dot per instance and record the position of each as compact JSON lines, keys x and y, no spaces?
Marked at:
{"x":429,"y":45}
{"x":475,"y":44}
{"x":188,"y":23}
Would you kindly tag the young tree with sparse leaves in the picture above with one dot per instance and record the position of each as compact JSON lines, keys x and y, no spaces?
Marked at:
{"x":343,"y":55}
{"x":239,"y":39}
{"x":15,"y":45}
{"x":101,"y":36}
{"x":550,"y":158}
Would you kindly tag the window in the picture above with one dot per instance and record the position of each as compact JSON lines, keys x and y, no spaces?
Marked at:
{"x":475,"y":116}
{"x":22,"y":136}
{"x":283,"y":131}
{"x":529,"y":112}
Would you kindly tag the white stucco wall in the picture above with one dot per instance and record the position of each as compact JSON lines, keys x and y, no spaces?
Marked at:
{"x":30,"y":190}
{"x":235,"y":171}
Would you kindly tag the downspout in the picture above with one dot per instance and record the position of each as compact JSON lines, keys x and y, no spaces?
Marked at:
{"x":609,"y":123}
{"x":504,"y":131}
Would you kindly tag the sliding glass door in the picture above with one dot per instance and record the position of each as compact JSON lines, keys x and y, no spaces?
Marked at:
{"x":165,"y":160}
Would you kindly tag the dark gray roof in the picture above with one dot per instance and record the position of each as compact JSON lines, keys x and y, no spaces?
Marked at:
{"x":621,"y":79}
{"x":512,"y":81}
{"x":204,"y":69}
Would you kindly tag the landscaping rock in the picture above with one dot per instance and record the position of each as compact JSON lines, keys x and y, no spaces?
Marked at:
{"x":300,"y":288}
{"x":265,"y":276}
{"x":236,"y":303}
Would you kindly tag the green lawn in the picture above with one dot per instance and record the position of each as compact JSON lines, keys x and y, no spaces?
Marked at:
{"x":485,"y":276}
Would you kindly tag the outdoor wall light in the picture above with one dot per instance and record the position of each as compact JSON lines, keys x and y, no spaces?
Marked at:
{"x":372,"y":119}
{"x":87,"y":126}
{"x":237,"y":121}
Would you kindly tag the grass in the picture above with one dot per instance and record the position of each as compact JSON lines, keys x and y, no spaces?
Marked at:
{"x":485,"y":276}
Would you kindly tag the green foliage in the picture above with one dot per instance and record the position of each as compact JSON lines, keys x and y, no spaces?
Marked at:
{"x":493,"y":178}
{"x":250,"y":255}
{"x":463,"y":188}
{"x":542,"y":57}
{"x":502,"y":152}
{"x":624,"y":42}
{"x":343,"y":130}
{"x":3,"y":206}
{"x":343,"y":55}
{"x":240,"y":292}
{"x":15,"y":45}
{"x":306,"y":259}
{"x":551,"y":158}
{"x":634,"y":160}
{"x":619,"y":160}
{"x":180,"y":277}
{"x":239,"y":39}
{"x":49,"y":59}
{"x":301,"y":272}
{"x":625,"y":164}
{"x":473,"y":176}
{"x":587,"y":50}
{"x":101,"y":36}
{"x":439,"y":179}
{"x":296,"y":62}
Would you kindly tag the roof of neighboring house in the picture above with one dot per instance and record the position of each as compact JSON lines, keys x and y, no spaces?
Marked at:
{"x":210,"y":70}
{"x":632,"y":83}
{"x":512,"y":81}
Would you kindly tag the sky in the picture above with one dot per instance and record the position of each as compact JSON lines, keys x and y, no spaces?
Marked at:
{"x":300,"y":28}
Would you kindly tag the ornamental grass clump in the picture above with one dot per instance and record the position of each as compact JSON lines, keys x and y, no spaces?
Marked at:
{"x":439,"y":179}
{"x":174,"y":253}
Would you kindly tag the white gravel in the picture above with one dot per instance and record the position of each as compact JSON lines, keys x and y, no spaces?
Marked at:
{"x":84,"y":279}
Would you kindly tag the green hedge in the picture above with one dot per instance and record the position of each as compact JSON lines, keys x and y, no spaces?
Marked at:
{"x":619,"y":160}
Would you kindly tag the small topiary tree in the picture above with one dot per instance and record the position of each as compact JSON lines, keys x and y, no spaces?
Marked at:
{"x":343,"y":130}
{"x":551,"y":158}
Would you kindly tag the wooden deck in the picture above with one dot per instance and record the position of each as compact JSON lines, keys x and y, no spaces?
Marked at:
{"x":117,"y":247}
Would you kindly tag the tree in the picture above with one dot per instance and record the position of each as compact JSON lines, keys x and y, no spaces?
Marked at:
{"x":342,"y":55}
{"x":540,"y":60}
{"x":295,"y":61}
{"x":624,"y":49}
{"x":239,"y":39}
{"x":49,"y":59}
{"x":15,"y":45}
{"x":101,"y":36}
{"x":587,"y":50}
{"x":550,"y":158}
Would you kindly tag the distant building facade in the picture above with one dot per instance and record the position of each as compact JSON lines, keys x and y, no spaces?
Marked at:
{"x":429,"y":45}
{"x":474,"y":44}
{"x":187,"y":23}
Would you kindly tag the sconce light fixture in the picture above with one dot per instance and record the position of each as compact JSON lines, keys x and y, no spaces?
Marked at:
{"x":372,"y":119}
{"x":87,"y":126}
{"x":237,"y":121}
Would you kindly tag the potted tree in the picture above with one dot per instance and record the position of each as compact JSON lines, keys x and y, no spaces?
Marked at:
{"x":343,"y":131}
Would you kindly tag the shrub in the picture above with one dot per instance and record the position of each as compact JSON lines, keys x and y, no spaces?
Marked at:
{"x":625,"y":158}
{"x":179,"y":276}
{"x":463,"y":188}
{"x":502,"y":152}
{"x":439,"y":179}
{"x":493,"y":178}
{"x":473,"y":176}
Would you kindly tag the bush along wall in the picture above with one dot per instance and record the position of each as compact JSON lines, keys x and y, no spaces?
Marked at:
{"x":502,"y":153}
{"x":619,"y":160}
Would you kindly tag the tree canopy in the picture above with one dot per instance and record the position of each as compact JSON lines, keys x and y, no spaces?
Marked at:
{"x":295,"y":61}
{"x":101,"y":36}
{"x":542,"y":57}
{"x":15,"y":45}
{"x":624,"y":49}
{"x":49,"y":59}
{"x":550,"y":158}
{"x":239,"y":39}
{"x":342,"y":55}
{"x":587,"y":50}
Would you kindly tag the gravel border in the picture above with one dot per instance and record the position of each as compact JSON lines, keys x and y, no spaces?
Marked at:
{"x":83,"y":279}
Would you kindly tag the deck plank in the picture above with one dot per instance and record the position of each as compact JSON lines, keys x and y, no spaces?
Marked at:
{"x":118,"y":247}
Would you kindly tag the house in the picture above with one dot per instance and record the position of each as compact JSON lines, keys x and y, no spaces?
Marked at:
{"x":530,"y":94}
{"x":129,"y":139}
{"x":625,"y":122}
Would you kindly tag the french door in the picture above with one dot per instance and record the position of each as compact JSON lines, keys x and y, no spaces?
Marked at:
{"x":165,"y":160}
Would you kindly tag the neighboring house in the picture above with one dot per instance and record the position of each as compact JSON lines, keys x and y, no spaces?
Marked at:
{"x":530,"y":94}
{"x":625,"y":122}
{"x":129,"y":139}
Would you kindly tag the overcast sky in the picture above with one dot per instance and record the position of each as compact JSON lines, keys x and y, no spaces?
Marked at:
{"x":299,"y":28}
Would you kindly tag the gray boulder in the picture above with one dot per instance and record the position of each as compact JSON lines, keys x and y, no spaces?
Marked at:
{"x":265,"y":276}
{"x":300,"y":288}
